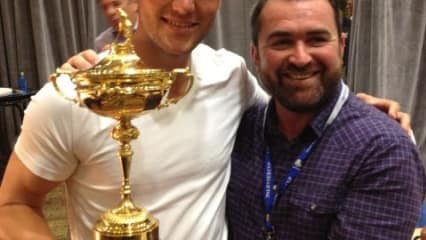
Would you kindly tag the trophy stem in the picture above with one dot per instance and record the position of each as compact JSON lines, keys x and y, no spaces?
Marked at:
{"x":125,"y":132}
{"x":127,"y":221}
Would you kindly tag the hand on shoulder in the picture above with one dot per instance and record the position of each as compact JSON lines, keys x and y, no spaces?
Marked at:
{"x":391,"y":107}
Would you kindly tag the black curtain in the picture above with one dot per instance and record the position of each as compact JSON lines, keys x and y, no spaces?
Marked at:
{"x":36,"y":36}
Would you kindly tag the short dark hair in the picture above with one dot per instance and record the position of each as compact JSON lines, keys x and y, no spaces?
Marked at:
{"x":260,"y":4}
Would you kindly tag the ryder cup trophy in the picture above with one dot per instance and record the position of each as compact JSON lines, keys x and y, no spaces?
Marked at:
{"x":120,"y":87}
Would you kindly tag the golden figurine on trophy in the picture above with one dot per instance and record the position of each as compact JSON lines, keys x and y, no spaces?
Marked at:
{"x":120,"y":87}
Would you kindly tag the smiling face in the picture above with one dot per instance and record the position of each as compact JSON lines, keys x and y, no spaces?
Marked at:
{"x":299,"y":52}
{"x":176,"y":26}
{"x":110,"y":10}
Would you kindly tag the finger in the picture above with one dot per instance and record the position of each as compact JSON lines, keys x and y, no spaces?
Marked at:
{"x":404,"y":120}
{"x":106,"y":47}
{"x":81,"y":61}
{"x":366,"y":98}
{"x":389,"y":106}
{"x":77,"y":62}
{"x":68,"y":67}
{"x":386,"y":105}
{"x":363,"y":96}
{"x":90,"y":56}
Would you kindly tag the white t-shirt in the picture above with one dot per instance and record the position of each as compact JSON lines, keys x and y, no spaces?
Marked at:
{"x":181,"y":161}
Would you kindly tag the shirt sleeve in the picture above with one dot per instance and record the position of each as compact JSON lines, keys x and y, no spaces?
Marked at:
{"x":255,"y":92}
{"x":384,"y":197}
{"x":45,"y":143}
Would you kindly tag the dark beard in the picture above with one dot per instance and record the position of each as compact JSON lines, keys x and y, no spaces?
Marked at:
{"x":324,"y":94}
{"x":307,"y":107}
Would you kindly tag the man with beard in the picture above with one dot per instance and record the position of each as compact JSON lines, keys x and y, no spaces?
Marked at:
{"x":182,"y":162}
{"x":316,"y":163}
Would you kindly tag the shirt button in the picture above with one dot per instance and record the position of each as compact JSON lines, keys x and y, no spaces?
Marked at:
{"x":313,"y":207}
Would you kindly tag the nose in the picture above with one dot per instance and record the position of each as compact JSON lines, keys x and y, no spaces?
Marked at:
{"x":183,"y":6}
{"x":110,"y":12}
{"x":300,"y":55}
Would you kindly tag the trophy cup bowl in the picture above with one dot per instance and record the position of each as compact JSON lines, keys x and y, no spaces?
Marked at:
{"x":120,"y":87}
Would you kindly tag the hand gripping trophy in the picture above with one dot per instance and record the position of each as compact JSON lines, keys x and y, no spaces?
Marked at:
{"x":121,"y":88}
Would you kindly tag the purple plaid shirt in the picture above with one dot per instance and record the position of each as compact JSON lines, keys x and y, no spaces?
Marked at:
{"x":364,"y":180}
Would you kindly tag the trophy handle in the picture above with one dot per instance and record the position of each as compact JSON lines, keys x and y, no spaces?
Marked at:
{"x":182,"y":81}
{"x":56,"y":77}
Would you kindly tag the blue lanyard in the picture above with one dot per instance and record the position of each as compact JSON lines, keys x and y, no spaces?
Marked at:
{"x":272,"y":193}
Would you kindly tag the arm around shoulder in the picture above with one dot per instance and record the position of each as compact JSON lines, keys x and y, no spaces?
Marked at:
{"x":21,"y":198}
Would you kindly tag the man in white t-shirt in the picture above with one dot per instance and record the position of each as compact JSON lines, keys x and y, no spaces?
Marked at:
{"x":109,"y":7}
{"x":181,"y":161}
{"x":180,"y":166}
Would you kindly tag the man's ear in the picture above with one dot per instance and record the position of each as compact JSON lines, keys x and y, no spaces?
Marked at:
{"x":254,"y":53}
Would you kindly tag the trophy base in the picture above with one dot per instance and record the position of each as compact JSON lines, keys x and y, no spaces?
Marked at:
{"x":126,"y":222}
{"x":143,"y":236}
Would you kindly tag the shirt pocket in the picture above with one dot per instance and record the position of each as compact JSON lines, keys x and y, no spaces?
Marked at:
{"x":315,"y":208}
{"x":314,"y":203}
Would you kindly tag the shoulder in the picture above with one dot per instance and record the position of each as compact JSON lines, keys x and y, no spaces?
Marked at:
{"x":106,"y":33}
{"x":225,"y":70}
{"x":363,"y":122}
{"x":381,"y":151}
{"x":205,"y":52}
{"x":49,"y":111}
{"x":207,"y":61}
{"x":47,"y":100}
{"x":372,"y":147}
{"x":104,"y":38}
{"x":46,"y":135}
{"x":371,"y":138}
{"x":48,"y":114}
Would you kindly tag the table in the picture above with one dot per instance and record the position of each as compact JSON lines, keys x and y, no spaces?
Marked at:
{"x":18,"y":100}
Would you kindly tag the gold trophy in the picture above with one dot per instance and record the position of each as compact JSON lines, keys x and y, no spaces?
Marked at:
{"x":121,"y":88}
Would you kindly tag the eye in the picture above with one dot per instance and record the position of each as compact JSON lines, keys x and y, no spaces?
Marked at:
{"x":318,"y":40}
{"x":281,"y":43}
{"x":116,"y":4}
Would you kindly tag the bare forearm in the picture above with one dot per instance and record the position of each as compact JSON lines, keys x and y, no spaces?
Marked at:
{"x":22,"y":222}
